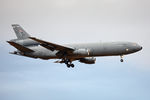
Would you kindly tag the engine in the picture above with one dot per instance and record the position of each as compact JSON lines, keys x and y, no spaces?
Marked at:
{"x":81,"y":52}
{"x":88,"y":60}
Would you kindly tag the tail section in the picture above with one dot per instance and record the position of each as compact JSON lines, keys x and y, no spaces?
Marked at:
{"x":20,"y":32}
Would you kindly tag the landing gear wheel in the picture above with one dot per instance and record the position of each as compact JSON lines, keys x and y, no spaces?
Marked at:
{"x":72,"y":65}
{"x":121,"y":60}
{"x":68,"y":65}
{"x":121,"y":56}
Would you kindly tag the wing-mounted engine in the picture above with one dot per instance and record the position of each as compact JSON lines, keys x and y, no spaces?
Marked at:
{"x":88,"y":60}
{"x":81,"y":52}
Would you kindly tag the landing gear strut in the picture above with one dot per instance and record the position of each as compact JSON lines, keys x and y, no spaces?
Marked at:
{"x":121,"y":56}
{"x":69,"y":63}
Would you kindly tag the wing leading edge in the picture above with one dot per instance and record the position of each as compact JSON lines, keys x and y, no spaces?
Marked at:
{"x":52,"y":46}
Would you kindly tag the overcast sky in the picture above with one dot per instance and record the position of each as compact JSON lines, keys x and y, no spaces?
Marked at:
{"x":76,"y":21}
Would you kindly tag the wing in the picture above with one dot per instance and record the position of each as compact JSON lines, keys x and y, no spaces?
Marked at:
{"x":52,"y":46}
{"x":20,"y":47}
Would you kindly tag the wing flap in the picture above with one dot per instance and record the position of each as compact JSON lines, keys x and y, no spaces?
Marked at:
{"x":20,"y":47}
{"x":52,"y":46}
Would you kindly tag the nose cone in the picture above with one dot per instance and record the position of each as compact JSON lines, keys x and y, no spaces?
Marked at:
{"x":133,"y":47}
{"x":141,"y":48}
{"x":138,"y":47}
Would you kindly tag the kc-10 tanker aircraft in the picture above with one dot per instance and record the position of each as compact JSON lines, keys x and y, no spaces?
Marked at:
{"x":36,"y":48}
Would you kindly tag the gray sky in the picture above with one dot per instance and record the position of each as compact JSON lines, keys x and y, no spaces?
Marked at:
{"x":75,"y":21}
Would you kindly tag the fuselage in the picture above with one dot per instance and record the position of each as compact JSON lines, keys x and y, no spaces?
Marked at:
{"x":87,"y":50}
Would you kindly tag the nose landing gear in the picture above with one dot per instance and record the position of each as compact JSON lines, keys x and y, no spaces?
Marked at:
{"x":121,"y":56}
{"x":121,"y":60}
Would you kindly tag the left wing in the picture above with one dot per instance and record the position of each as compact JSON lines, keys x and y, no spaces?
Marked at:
{"x":52,"y":46}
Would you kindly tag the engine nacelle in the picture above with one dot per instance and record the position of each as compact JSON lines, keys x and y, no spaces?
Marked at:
{"x":88,"y":60}
{"x":81,"y":52}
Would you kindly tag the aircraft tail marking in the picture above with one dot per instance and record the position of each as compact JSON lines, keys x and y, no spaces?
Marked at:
{"x":20,"y":32}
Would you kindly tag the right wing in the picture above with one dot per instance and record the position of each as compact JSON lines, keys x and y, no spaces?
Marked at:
{"x":52,"y":46}
{"x":20,"y":47}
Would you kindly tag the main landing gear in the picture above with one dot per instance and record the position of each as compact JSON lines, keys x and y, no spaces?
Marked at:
{"x":121,"y":56}
{"x":69,"y":63}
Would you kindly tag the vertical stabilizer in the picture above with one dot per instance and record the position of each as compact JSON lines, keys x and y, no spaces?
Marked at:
{"x":20,"y":33}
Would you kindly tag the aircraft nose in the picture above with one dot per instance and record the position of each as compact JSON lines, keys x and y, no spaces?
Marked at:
{"x":139,"y":47}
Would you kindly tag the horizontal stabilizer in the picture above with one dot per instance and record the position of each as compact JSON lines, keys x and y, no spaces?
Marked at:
{"x":20,"y":47}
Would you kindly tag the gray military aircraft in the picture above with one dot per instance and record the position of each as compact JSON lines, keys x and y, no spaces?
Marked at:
{"x":36,"y":48}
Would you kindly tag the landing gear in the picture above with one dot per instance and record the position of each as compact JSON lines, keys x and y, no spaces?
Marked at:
{"x":69,"y":63}
{"x":121,"y":60}
{"x":121,"y":56}
{"x":72,"y":65}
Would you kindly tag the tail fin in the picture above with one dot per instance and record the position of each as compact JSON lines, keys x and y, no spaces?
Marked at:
{"x":20,"y":33}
